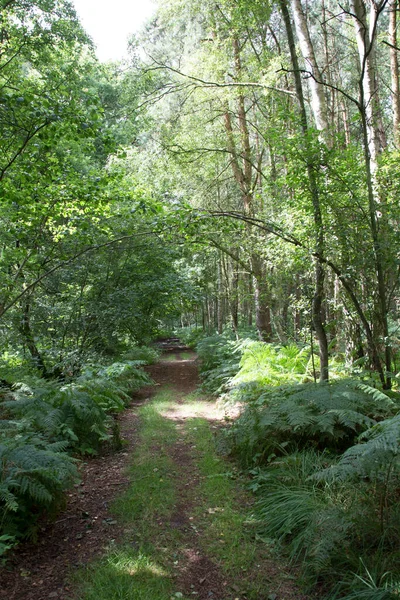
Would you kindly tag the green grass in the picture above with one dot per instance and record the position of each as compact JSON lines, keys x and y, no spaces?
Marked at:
{"x":152,"y":494}
{"x":187,"y":355}
{"x":223,"y":514}
{"x":142,"y":568}
{"x":145,"y":565}
{"x":126,"y":574}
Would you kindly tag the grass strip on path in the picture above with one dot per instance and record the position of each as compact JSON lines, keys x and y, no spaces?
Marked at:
{"x":227,"y":534}
{"x":185,"y":514}
{"x":142,"y":567}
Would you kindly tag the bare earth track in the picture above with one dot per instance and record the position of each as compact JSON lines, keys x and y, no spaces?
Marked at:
{"x":39,"y":571}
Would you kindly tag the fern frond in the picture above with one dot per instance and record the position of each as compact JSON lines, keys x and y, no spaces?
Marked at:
{"x":378,"y":449}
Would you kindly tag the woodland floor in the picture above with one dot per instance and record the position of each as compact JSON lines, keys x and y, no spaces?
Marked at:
{"x":55,"y":564}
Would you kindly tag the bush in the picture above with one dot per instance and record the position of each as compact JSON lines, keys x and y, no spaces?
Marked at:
{"x":191,"y":336}
{"x":327,"y":415}
{"x":65,"y":414}
{"x":219,"y":361}
{"x":145,"y":354}
{"x":328,"y":527}
{"x":268,"y":364}
{"x":43,"y":420}
{"x":339,"y":515}
{"x":311,"y":519}
{"x":33,"y":479}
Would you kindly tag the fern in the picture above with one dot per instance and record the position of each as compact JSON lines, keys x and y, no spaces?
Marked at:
{"x":268,"y":364}
{"x":376,"y":457}
{"x":219,"y":361}
{"x":326,"y":415}
{"x":66,"y":414}
{"x":118,"y":379}
{"x":307,"y":517}
{"x":145,"y":354}
{"x":33,"y":478}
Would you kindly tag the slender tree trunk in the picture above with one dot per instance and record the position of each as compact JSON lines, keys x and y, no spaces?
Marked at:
{"x":220,"y":298}
{"x":297,"y":314}
{"x":29,"y":338}
{"x":369,"y":112}
{"x":318,"y":101}
{"x":394,"y":69}
{"x":312,"y":163}
{"x":243,"y":174}
{"x":346,"y":122}
{"x":365,"y":37}
{"x":262,"y":300}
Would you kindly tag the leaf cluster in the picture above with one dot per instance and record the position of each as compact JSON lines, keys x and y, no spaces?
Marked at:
{"x":45,"y":421}
{"x":34,"y":476}
{"x":329,"y":415}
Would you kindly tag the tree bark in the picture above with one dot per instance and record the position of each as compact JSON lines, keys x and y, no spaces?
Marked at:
{"x":246,"y":177}
{"x":312,"y":164}
{"x":318,"y":101}
{"x":394,"y":69}
{"x":369,"y":110}
{"x":29,"y":339}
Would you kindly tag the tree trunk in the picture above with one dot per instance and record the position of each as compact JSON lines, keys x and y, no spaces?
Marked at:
{"x":29,"y":339}
{"x":312,"y":164}
{"x":318,"y":101}
{"x":369,"y":109}
{"x":394,"y":69}
{"x":246,"y":178}
{"x":365,"y":37}
{"x":220,"y":297}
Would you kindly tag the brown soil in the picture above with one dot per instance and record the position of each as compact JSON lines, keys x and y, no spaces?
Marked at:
{"x":38,"y":571}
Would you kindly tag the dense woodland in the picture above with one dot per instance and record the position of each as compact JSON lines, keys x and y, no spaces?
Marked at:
{"x":236,"y":181}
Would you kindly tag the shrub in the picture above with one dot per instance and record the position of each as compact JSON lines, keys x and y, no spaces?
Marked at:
{"x":327,"y":415}
{"x":219,"y":361}
{"x":43,"y":420}
{"x":61,"y":414}
{"x":311,"y":519}
{"x":268,"y":364}
{"x":128,"y":375}
{"x":33,"y":478}
{"x":191,"y":336}
{"x":336,"y":514}
{"x":145,"y":354}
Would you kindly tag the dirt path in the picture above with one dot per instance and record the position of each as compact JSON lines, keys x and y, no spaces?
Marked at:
{"x":84,"y":530}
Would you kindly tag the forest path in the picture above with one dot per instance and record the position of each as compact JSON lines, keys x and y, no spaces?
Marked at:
{"x":178,"y":525}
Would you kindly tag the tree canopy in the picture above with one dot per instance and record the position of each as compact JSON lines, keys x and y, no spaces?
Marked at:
{"x":242,"y":167}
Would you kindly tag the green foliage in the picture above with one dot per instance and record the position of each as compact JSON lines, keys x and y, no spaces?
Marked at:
{"x":369,"y":584}
{"x":328,"y":415}
{"x":268,"y":364}
{"x":33,"y":479}
{"x":219,"y":361}
{"x":335,"y":513}
{"x":329,"y":527}
{"x":311,"y":519}
{"x":109,"y":386}
{"x":192,"y":336}
{"x":375,"y":457}
{"x":142,"y":353}
{"x":62,"y":414}
{"x":263,"y":365}
{"x":77,"y":412}
{"x":42,"y":421}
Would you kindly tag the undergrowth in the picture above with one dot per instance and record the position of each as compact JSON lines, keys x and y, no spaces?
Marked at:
{"x":42,"y":424}
{"x":325,"y":416}
{"x":324,"y":462}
